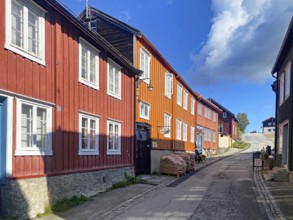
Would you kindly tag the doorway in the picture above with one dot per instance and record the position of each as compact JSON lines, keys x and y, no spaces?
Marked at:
{"x":3,"y":134}
{"x":143,"y":149}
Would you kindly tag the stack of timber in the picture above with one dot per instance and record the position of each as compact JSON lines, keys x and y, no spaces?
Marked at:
{"x":173,"y":164}
{"x":188,"y":160}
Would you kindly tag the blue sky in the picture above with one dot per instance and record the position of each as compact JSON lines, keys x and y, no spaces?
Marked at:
{"x":224,"y":49}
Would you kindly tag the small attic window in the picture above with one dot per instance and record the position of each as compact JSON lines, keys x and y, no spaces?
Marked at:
{"x":93,"y":25}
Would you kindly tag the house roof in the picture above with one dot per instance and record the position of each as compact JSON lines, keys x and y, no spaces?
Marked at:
{"x":112,"y":51}
{"x":285,"y":48}
{"x":268,"y":119}
{"x":210,"y":104}
{"x":112,"y":20}
{"x":140,"y":35}
{"x":223,"y":108}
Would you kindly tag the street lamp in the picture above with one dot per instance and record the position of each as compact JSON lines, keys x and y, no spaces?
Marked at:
{"x":150,"y":86}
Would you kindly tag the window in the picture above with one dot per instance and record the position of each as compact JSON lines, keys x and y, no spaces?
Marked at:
{"x":270,"y":123}
{"x":215,"y":116}
{"x":88,"y":64}
{"x":144,"y":110}
{"x":179,"y":94}
{"x":207,"y":113}
{"x":224,"y":114}
{"x":220,"y":128}
{"x":88,"y":135}
{"x":199,"y":108}
{"x":25,"y":29}
{"x":167,"y":124}
{"x":192,"y":130}
{"x":207,"y":134}
{"x":114,"y":79}
{"x":178,"y":129}
{"x":185,"y":99}
{"x":34,"y":129}
{"x":168,"y":85}
{"x":184,"y":131}
{"x":113,"y":137}
{"x":287,"y":79}
{"x":281,"y":87}
{"x":214,"y":136}
{"x":192,"y":103}
{"x":145,"y":60}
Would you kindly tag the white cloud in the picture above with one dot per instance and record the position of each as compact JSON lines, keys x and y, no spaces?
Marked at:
{"x":125,"y":15}
{"x":243,"y":42}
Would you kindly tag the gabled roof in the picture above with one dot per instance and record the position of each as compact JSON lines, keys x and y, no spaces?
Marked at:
{"x":112,"y":20}
{"x":112,"y":51}
{"x":210,"y":104}
{"x":285,"y":48}
{"x":223,"y":108}
{"x":269,"y":119}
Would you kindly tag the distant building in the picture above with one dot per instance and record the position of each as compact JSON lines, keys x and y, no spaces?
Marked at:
{"x":268,"y":125}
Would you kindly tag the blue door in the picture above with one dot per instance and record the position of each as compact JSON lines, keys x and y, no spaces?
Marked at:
{"x":3,"y":131}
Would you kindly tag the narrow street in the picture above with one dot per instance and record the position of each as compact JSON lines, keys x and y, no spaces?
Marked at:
{"x":223,"y":190}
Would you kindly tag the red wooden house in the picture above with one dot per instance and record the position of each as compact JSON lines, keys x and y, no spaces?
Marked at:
{"x":66,"y":105}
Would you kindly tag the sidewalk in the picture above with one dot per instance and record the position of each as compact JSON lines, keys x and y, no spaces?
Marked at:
{"x":277,"y":197}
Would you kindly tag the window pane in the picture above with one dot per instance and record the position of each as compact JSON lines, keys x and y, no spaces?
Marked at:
{"x":17,"y":25}
{"x":26,"y":125}
{"x":93,"y":134}
{"x":84,"y":66}
{"x":116,"y":81}
{"x":41,"y":127}
{"x":110,"y":137}
{"x":92,"y":68}
{"x":84,"y":133}
{"x":33,"y":33}
{"x":116,"y":144}
{"x":111,"y":78}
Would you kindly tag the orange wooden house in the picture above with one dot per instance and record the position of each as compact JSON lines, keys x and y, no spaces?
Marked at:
{"x":165,"y":104}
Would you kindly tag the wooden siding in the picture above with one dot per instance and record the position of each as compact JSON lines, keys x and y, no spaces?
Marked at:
{"x":57,"y":83}
{"x":210,"y":124}
{"x":160,"y":104}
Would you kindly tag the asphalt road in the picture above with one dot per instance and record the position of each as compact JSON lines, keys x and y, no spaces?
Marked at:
{"x":223,"y":190}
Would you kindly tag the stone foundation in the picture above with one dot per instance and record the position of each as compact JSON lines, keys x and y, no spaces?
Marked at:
{"x":25,"y":198}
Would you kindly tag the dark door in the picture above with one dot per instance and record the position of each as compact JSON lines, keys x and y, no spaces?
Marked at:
{"x":3,"y":120}
{"x":143,"y":150}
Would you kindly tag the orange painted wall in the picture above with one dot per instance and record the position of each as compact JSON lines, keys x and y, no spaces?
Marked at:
{"x":160,"y":104}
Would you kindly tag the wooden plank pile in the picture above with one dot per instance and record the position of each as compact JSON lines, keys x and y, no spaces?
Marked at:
{"x":177,"y":164}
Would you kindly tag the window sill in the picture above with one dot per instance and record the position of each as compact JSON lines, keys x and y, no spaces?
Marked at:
{"x":34,"y":152}
{"x":25,"y":54}
{"x":113,"y":152}
{"x":114,"y":95}
{"x":94,"y":86}
{"x":89,"y":153}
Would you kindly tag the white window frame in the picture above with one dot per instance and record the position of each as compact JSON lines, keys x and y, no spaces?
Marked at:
{"x":118,"y":150}
{"x":27,"y":6}
{"x":185,"y":99}
{"x":224,"y":114}
{"x":91,"y":50}
{"x":88,"y":151}
{"x":179,"y":94}
{"x":214,"y":136}
{"x":168,"y":84}
{"x":178,"y":129}
{"x":145,"y":65}
{"x":185,"y":127}
{"x":220,"y":127}
{"x":142,"y":106}
{"x":287,"y":79}
{"x":192,"y":130}
{"x":215,"y":116}
{"x":113,"y":64}
{"x":34,"y":150}
{"x":281,"y":88}
{"x":192,"y":104}
{"x":199,"y":108}
{"x":167,"y":124}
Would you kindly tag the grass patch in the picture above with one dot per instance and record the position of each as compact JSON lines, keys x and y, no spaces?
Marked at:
{"x":239,"y":144}
{"x":129,"y":180}
{"x":63,"y":204}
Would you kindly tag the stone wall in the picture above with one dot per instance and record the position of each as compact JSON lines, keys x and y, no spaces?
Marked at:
{"x":25,"y":198}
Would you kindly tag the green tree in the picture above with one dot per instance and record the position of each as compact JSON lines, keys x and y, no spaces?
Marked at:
{"x":243,"y":121}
